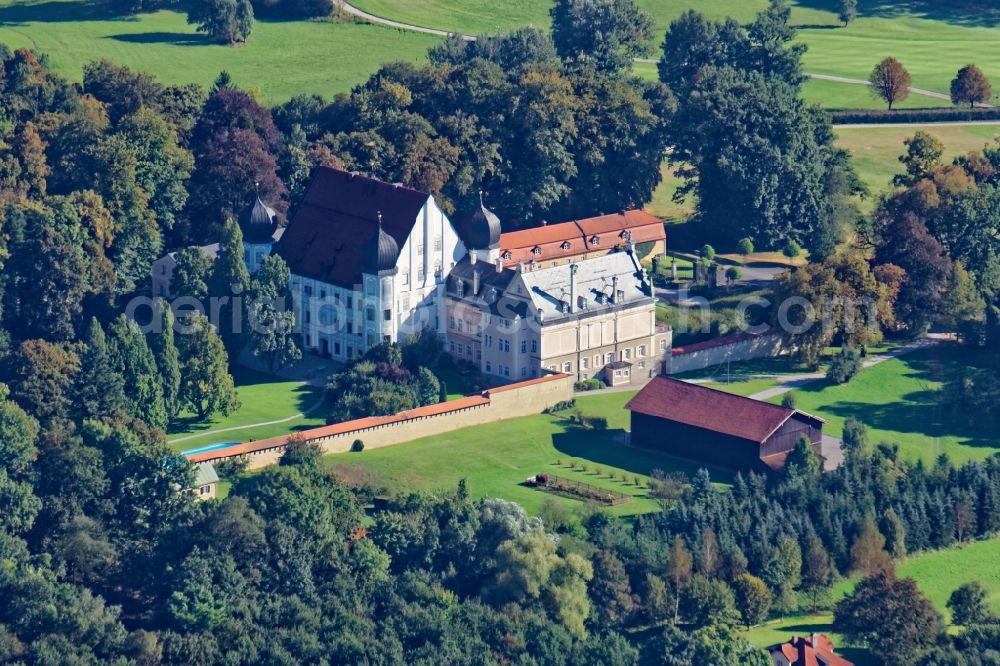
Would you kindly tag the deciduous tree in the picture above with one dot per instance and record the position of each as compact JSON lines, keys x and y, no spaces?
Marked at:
{"x":206,"y":384}
{"x":609,"y":33}
{"x":970,"y":86}
{"x":890,"y":81}
{"x":225,"y":21}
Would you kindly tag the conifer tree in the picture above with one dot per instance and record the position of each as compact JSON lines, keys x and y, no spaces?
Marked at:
{"x":100,"y":389}
{"x":205,"y":380}
{"x":230,"y":282}
{"x":131,"y":357}
{"x":168,"y":362}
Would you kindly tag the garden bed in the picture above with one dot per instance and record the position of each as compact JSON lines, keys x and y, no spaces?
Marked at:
{"x":586,"y":492}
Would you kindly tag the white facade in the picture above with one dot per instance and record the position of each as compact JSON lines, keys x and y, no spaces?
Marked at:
{"x":345,"y":322}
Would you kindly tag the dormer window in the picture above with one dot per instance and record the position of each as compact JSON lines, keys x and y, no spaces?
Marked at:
{"x":565,"y":245}
{"x":625,"y":235}
{"x":506,"y":255}
{"x":536,"y":250}
{"x":594,"y":240}
{"x":460,"y":288}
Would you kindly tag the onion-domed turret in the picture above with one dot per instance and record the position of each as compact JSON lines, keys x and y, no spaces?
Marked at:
{"x":381,"y":252}
{"x":481,"y":229}
{"x":258,"y":221}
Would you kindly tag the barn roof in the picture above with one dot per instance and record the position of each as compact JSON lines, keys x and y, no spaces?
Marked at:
{"x":326,"y":237}
{"x":711,"y":409}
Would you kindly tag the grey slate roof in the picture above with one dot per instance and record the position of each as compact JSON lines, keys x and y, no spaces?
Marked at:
{"x":550,"y":287}
{"x":204,"y":474}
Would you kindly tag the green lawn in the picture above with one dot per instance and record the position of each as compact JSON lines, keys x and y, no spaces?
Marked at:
{"x":281,"y":59}
{"x":933,"y":38}
{"x":496,"y":458}
{"x":900,"y":401}
{"x":835,"y":95}
{"x":937,"y":574}
{"x":263,"y":398}
{"x":875,"y":150}
{"x":744,"y":387}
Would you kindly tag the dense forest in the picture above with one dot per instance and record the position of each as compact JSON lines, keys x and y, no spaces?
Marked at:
{"x":104,"y":558}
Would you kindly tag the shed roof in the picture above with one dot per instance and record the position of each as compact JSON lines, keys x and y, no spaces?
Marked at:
{"x":711,"y":409}
{"x":205,"y":474}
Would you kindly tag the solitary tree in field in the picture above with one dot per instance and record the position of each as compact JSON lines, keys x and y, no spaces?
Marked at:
{"x":970,"y":86}
{"x":609,"y":33}
{"x":890,"y":81}
{"x":847,"y":10}
{"x":225,"y":21}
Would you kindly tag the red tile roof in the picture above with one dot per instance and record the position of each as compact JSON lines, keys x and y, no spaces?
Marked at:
{"x":803,"y":651}
{"x":338,"y":214}
{"x":711,"y":409}
{"x":579,"y":234}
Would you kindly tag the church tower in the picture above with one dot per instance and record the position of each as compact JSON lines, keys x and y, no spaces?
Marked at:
{"x":259,"y":224}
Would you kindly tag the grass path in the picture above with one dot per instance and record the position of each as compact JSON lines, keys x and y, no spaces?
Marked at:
{"x":261,"y":424}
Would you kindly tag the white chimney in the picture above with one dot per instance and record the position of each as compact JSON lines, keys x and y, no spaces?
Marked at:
{"x":572,"y":287}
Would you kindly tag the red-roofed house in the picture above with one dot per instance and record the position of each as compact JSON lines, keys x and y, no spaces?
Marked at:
{"x":816,"y":650}
{"x":553,"y":244}
{"x":699,"y":423}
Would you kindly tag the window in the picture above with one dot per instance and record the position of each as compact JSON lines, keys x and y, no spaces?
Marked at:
{"x":437,"y":243}
{"x":524,"y":371}
{"x":620,"y":296}
{"x":489,"y":367}
{"x":308,"y":290}
{"x":468,"y":326}
{"x":451,"y":322}
{"x":608,"y":358}
{"x":594,"y":240}
{"x":206,"y":490}
{"x":524,"y":346}
{"x":420,"y":248}
{"x":642,"y":364}
{"x":567,"y":367}
{"x":597,"y":361}
{"x":404,"y":277}
{"x":460,"y":323}
{"x":370,"y":314}
{"x":336,"y":348}
{"x":663,"y":345}
{"x":641,"y":351}
{"x":626,"y":354}
{"x":565,"y":245}
{"x":584,"y":363}
{"x":420,"y":274}
{"x":371,"y":287}
{"x":534,"y":346}
{"x":536,"y":250}
{"x":350,"y":329}
{"x":506,"y":255}
{"x":468,"y":350}
{"x":489,"y":341}
{"x":350,"y":351}
{"x":479,"y":331}
{"x":322,"y":293}
{"x":350,"y":302}
{"x":308,"y":316}
{"x":451,"y":346}
{"x":404,"y":302}
{"x":387,"y":315}
{"x":460,"y":288}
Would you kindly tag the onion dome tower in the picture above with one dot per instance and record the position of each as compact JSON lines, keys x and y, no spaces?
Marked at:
{"x":381,"y":252}
{"x":481,"y":232}
{"x":259,"y":223}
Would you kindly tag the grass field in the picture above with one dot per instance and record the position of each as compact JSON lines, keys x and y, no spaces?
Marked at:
{"x":933,"y":38}
{"x":937,"y":574}
{"x":280,"y":59}
{"x":900,"y":401}
{"x":875,"y":150}
{"x":495,"y":459}
{"x":262,"y":399}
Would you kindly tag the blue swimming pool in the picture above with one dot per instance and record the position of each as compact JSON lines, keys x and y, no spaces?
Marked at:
{"x":213,"y":447}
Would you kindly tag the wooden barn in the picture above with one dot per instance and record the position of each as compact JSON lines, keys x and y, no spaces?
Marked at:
{"x":717,"y":428}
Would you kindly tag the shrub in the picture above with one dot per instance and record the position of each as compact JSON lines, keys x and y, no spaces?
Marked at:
{"x":855,"y":434}
{"x":358,"y":446}
{"x":792,"y":249}
{"x":733,"y":274}
{"x":745,"y":246}
{"x":918,"y":116}
{"x":708,"y":252}
{"x":592,"y":384}
{"x":844,"y":366}
{"x":788,"y":400}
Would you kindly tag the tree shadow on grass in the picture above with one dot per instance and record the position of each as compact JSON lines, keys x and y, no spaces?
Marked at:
{"x":175,"y":38}
{"x":965,"y":13}
{"x":608,"y":447}
{"x":58,"y":12}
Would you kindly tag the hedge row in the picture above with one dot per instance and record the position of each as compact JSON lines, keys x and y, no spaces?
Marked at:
{"x":853,"y":117}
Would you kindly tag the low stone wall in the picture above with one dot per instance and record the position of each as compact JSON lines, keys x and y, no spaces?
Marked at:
{"x":742,"y":347}
{"x":497,"y":404}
